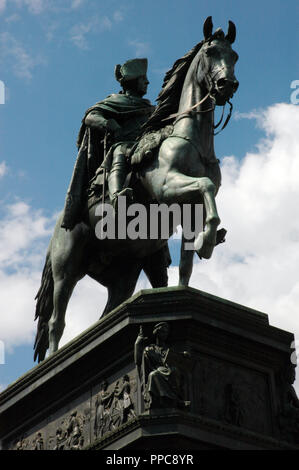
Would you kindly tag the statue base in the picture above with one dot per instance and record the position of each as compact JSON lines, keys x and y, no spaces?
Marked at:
{"x":89,"y":394}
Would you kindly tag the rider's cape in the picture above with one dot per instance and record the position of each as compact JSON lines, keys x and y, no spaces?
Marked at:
{"x":130,"y":112}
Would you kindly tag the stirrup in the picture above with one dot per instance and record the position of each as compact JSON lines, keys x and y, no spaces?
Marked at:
{"x":127,"y":192}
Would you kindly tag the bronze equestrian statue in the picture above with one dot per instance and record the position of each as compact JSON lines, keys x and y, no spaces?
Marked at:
{"x":164,"y":155}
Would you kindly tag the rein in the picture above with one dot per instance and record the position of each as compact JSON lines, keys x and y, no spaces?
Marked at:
{"x":171,"y":116}
{"x":192,"y":108}
{"x":227,"y":117}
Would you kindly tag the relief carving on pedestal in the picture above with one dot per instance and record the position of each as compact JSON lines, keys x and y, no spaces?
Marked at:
{"x":22,"y":444}
{"x":70,"y":434}
{"x":37,"y":443}
{"x":102,"y":413}
{"x":233,"y":412}
{"x":232,"y":394}
{"x":113,"y":407}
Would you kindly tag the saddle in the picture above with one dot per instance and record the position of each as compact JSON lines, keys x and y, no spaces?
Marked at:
{"x":142,"y":153}
{"x":145,"y":148}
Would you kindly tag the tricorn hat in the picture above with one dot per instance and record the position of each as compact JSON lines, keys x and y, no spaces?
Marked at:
{"x":130,"y":70}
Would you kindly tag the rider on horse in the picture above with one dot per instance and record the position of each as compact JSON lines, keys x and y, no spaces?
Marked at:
{"x":120,"y":117}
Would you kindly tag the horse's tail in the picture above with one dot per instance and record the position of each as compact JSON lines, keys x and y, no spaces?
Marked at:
{"x":43,"y":310}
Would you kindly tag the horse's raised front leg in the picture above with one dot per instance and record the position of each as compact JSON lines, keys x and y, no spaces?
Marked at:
{"x":181,"y":188}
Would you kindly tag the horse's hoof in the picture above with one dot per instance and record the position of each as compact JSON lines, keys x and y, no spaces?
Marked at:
{"x":220,"y":236}
{"x":203,"y":247}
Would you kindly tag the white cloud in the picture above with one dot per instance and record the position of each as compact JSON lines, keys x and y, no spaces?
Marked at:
{"x":85,"y":308}
{"x":80,"y":32}
{"x":141,"y":48}
{"x":3,"y":169}
{"x":24,"y":235}
{"x":76,"y":4}
{"x":17,"y":307}
{"x":104,"y":24}
{"x":20,"y":228}
{"x":12,"y":18}
{"x":2,"y":5}
{"x":34,"y":6}
{"x":118,"y":16}
{"x":13,"y":53}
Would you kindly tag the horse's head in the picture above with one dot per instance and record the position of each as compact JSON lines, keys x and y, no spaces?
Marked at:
{"x":218,"y":60}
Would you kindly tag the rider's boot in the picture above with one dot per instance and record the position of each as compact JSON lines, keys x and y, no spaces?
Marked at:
{"x":116,"y":180}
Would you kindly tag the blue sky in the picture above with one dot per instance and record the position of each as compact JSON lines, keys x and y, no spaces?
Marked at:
{"x":57,"y":59}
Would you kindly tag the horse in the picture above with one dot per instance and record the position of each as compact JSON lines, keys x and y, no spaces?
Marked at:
{"x":184,"y":169}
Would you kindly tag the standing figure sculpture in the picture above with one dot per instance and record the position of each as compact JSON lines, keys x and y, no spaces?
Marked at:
{"x":102,"y":414}
{"x":75,"y":438}
{"x":179,"y":167}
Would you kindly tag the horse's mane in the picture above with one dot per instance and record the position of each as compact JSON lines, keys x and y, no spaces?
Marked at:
{"x":169,"y":96}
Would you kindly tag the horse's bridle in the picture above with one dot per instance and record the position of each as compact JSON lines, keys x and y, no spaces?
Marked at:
{"x":210,"y":80}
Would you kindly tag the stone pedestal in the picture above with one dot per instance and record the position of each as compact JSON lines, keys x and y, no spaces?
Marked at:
{"x":88,"y":395}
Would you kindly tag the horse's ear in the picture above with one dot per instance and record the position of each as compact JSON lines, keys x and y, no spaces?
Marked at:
{"x":208,"y":28}
{"x":231,"y":34}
